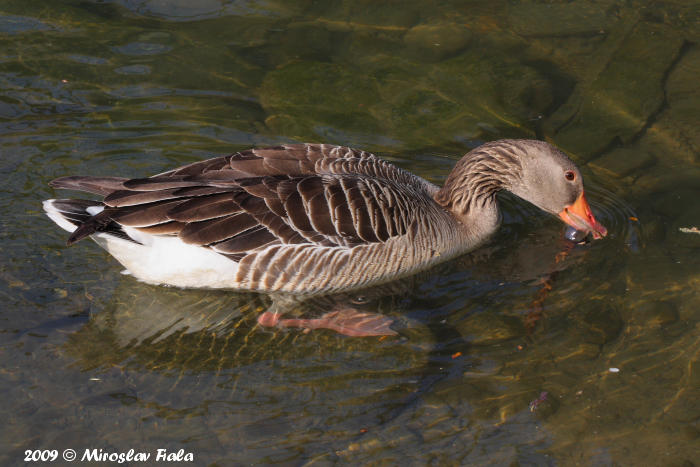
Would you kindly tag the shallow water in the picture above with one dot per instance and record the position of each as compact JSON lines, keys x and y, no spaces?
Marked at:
{"x":92,"y":359}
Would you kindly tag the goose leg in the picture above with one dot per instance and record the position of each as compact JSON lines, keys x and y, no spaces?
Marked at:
{"x":269,"y":319}
{"x":343,"y":320}
{"x":572,"y":237}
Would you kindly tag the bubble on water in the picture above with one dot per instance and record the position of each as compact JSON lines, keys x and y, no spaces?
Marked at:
{"x":576,"y":236}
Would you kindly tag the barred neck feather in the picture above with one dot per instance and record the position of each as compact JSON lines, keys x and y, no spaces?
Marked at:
{"x":479,"y":175}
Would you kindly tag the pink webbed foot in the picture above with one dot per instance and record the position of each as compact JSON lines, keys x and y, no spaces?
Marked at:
{"x":269,"y":318}
{"x":346,"y":321}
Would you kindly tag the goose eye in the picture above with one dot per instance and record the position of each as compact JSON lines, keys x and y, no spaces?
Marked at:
{"x":570,"y":175}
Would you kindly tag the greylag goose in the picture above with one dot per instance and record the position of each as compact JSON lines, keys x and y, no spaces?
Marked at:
{"x":312,"y":218}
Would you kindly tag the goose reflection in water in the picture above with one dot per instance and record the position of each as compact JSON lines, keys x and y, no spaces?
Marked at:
{"x":145,"y":315}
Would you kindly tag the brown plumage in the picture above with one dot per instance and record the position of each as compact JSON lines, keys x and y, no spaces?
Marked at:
{"x":308,"y":218}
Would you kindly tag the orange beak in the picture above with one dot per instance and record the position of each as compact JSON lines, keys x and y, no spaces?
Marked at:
{"x":580,"y":217}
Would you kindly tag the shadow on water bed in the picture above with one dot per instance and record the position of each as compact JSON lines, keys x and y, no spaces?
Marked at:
{"x":515,"y":353}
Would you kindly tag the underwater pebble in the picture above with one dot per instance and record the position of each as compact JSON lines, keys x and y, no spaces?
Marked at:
{"x":601,"y":321}
{"x":544,"y":406}
{"x":61,"y":293}
{"x":87,"y":59}
{"x":434,"y":42}
{"x":535,"y":403}
{"x":683,"y":231}
{"x":142,"y":48}
{"x":133,"y":70}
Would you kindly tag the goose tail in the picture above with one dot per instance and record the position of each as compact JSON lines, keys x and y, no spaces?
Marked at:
{"x":82,"y":218}
{"x":69,"y":214}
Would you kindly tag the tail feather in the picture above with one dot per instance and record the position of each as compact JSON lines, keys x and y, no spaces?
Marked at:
{"x":97,"y":185}
{"x":82,"y":218}
{"x":73,"y":210}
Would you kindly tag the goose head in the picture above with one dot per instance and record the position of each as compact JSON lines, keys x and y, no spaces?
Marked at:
{"x":534,"y":170}
{"x":551,"y":181}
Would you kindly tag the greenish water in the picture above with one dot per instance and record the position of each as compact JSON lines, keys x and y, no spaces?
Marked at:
{"x":92,"y":359}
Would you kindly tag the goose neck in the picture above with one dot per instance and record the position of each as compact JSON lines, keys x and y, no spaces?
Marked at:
{"x":478,"y":176}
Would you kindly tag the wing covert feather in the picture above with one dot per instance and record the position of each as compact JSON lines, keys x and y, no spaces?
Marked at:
{"x":288,"y":194}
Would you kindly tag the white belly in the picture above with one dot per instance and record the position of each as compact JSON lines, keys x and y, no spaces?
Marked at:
{"x":169,"y":261}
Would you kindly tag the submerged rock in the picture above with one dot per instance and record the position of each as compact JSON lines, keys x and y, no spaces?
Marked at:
{"x":545,"y":405}
{"x":618,"y":101}
{"x":305,"y":39}
{"x":675,"y":133}
{"x":493,"y":92}
{"x":468,"y":97}
{"x":491,"y":328}
{"x":658,"y":313}
{"x":621,"y":162}
{"x":599,"y":321}
{"x":312,"y":94}
{"x":436,"y":41}
{"x":575,"y":18}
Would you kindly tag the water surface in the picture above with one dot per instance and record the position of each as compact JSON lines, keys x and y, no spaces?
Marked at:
{"x":93,"y":359}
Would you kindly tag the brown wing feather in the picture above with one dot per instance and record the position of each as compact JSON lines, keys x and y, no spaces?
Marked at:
{"x":97,"y":185}
{"x":340,"y":213}
{"x":158,"y":184}
{"x":294,"y":206}
{"x":121,"y":198}
{"x":320,"y":215}
{"x":216,"y":230}
{"x":288,"y":194}
{"x":246,"y":241}
{"x":167,"y":228}
{"x":145,"y":215}
{"x":204,"y":207}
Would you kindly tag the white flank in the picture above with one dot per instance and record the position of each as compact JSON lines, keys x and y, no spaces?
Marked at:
{"x":160,"y":259}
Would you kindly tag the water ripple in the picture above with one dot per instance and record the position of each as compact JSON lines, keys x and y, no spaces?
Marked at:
{"x":10,"y":24}
{"x":142,"y":48}
{"x":616,"y":215}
